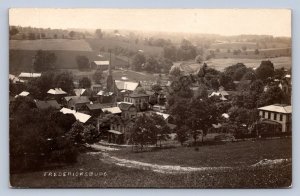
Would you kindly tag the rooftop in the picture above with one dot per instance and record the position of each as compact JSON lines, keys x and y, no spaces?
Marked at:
{"x":76,"y":99}
{"x":101,"y":62}
{"x":165,"y":116}
{"x":79,"y":91}
{"x":98,"y":106}
{"x":280,"y":108}
{"x":23,"y":94}
{"x":56,"y":91}
{"x":30,"y":75}
{"x":81,"y":117}
{"x":124,"y":105}
{"x":113,"y":110}
{"x":125,"y":85}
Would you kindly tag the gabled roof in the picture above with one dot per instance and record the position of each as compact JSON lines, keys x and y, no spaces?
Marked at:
{"x":125,"y":85}
{"x":124,"y":105}
{"x":47,"y":104}
{"x":15,"y":79}
{"x":79,"y":91}
{"x":113,"y":110}
{"x":225,"y":115}
{"x":56,"y":91}
{"x":165,"y":116}
{"x":81,"y":117}
{"x":67,"y":111}
{"x":23,"y":94}
{"x":280,"y":108}
{"x":30,"y":75}
{"x":76,"y":99}
{"x":105,"y":93}
{"x":101,"y":62}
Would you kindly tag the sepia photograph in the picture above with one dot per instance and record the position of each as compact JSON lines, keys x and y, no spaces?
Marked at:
{"x":150,"y":98}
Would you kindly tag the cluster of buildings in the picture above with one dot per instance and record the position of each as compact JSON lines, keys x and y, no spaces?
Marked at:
{"x":126,"y":100}
{"x":121,"y":98}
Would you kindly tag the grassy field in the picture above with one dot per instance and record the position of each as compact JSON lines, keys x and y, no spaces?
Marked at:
{"x":228,"y":154}
{"x":221,"y":63}
{"x":117,"y":176}
{"x":21,"y":60}
{"x":50,"y":44}
{"x":97,"y":44}
{"x":249,"y":45}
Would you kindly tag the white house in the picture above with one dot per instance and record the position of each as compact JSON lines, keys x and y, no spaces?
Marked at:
{"x":279,"y":113}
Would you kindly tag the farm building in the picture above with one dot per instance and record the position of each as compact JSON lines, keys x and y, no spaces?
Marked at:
{"x":279,"y":114}
{"x":102,"y":65}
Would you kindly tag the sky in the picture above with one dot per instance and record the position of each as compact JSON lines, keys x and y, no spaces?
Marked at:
{"x":276,"y":22}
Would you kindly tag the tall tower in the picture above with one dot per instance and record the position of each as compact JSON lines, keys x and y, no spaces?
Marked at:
{"x":109,"y":80}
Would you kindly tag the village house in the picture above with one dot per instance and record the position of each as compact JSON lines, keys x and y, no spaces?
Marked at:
{"x":120,"y":131}
{"x":96,"y":88}
{"x":129,"y":111}
{"x":95,"y":109}
{"x":139,"y":100}
{"x":23,"y":94}
{"x":81,"y":117}
{"x":15,"y":80}
{"x":278,"y":113}
{"x":113,"y":110}
{"x":56,"y":93}
{"x":126,"y":86}
{"x":27,"y":76}
{"x":75,"y":102}
{"x":102,"y":65}
{"x":80,"y":92}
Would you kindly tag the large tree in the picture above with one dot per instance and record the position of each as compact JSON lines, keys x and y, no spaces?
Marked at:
{"x":137,"y":62}
{"x":144,"y":131}
{"x":44,"y":61}
{"x":85,"y":82}
{"x":64,"y":80}
{"x":265,"y":70}
{"x":202,"y":114}
{"x":99,"y":33}
{"x":82,"y":62}
{"x":98,"y":76}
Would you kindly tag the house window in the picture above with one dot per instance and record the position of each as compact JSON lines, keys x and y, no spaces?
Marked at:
{"x":269,"y":115}
{"x":275,"y":116}
{"x":281,"y":117}
{"x":263,"y":114}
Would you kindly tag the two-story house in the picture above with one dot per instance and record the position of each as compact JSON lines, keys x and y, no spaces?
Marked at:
{"x":279,"y":113}
{"x":139,"y":100}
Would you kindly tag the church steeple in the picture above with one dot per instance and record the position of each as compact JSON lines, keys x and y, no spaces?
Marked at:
{"x":109,"y":80}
